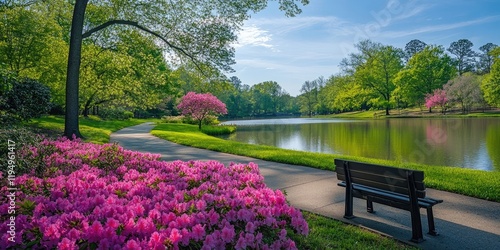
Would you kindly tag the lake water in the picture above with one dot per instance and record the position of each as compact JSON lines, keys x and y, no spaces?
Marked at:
{"x":465,"y":142}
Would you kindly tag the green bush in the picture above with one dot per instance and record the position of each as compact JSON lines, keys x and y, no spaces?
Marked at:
{"x":23,"y":138}
{"x":218,"y":130}
{"x":209,"y":120}
{"x":27,"y":99}
{"x":172,"y":119}
{"x":115,"y":114}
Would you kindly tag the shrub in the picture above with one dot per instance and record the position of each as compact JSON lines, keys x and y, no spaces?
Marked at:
{"x":101,"y":196}
{"x":24,"y":139}
{"x":218,"y":130}
{"x":115,"y":114}
{"x":172,"y":119}
{"x":28,"y":99}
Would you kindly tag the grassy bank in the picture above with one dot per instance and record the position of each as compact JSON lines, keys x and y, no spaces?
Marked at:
{"x":411,"y":113}
{"x":92,"y":128}
{"x":326,"y":233}
{"x":475,"y":183}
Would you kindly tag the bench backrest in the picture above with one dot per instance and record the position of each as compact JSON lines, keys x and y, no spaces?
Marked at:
{"x":381,"y":177}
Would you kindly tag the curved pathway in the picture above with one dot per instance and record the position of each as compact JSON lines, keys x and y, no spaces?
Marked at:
{"x":463,"y":222}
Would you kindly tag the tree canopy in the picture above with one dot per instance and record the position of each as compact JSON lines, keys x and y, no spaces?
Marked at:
{"x":200,"y":31}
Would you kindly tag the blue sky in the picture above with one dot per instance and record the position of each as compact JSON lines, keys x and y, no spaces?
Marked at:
{"x":290,"y":51}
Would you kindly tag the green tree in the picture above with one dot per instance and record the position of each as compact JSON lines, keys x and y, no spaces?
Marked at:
{"x":266,"y":97}
{"x":412,"y":47}
{"x":26,"y":37}
{"x":309,"y":97}
{"x":377,"y":73}
{"x":486,"y":59}
{"x":491,"y":82}
{"x":426,"y":71}
{"x":465,"y":56}
{"x":197,"y":30}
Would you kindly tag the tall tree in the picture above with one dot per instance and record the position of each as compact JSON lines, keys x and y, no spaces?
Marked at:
{"x":267,"y":97}
{"x":378,"y":73}
{"x":198,"y":30}
{"x":412,"y":47}
{"x":309,"y":96}
{"x":465,"y":56}
{"x":486,"y":59}
{"x":426,"y":71}
{"x":491,"y":82}
{"x":464,"y":90}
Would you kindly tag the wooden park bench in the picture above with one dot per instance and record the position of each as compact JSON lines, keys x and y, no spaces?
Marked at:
{"x":395,"y":187}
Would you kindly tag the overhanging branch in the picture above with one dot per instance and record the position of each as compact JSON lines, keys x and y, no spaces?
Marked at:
{"x":137,"y":25}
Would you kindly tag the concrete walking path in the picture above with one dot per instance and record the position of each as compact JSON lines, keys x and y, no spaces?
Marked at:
{"x":463,"y":222}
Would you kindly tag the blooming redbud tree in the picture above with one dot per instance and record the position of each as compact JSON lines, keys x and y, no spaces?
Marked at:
{"x":200,"y":106}
{"x":438,"y":98}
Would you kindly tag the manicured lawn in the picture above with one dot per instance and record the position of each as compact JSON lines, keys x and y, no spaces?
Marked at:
{"x":93,"y":128}
{"x":326,"y":233}
{"x":475,"y":183}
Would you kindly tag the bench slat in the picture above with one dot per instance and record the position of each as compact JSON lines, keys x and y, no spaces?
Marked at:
{"x":395,"y":187}
{"x":380,"y":170}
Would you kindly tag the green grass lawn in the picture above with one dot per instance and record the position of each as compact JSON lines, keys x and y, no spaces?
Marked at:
{"x":92,"y":128}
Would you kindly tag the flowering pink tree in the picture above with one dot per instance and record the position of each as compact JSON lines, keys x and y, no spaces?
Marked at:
{"x":438,"y":98}
{"x":199,"y":106}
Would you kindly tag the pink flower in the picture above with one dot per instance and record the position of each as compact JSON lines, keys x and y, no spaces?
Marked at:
{"x":94,"y":232}
{"x":156,"y":241}
{"x":67,"y":244}
{"x":198,"y":232}
{"x":132,"y":245}
{"x":228,"y":234}
{"x":175,"y":236}
{"x":187,"y":204}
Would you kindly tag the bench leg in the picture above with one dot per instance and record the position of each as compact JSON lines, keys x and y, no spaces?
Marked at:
{"x":348,"y":203}
{"x":416,"y":226}
{"x":430,"y":220}
{"x":369,"y":205}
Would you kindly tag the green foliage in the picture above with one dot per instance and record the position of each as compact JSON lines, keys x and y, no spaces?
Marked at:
{"x":491,"y":82}
{"x":172,"y":119}
{"x":27,"y":99}
{"x":115,"y":114}
{"x":23,"y":138}
{"x":426,"y":71}
{"x":95,"y":129}
{"x":219,"y":130}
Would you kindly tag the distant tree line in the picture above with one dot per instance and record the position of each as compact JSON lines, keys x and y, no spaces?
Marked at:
{"x":383,"y":77}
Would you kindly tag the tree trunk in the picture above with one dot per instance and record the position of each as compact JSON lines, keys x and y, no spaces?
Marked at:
{"x":199,"y":124}
{"x":71,"y":126}
{"x":387,"y":111}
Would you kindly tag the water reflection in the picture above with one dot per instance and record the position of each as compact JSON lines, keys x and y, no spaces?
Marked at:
{"x":468,"y":143}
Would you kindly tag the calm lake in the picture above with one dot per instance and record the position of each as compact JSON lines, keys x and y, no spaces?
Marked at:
{"x":467,"y":142}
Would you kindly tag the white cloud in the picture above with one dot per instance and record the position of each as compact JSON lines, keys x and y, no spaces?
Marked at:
{"x":254,"y":36}
{"x":438,"y":28}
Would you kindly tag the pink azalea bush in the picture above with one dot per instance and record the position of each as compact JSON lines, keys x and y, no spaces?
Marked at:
{"x":83,"y":195}
{"x":200,"y":106}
